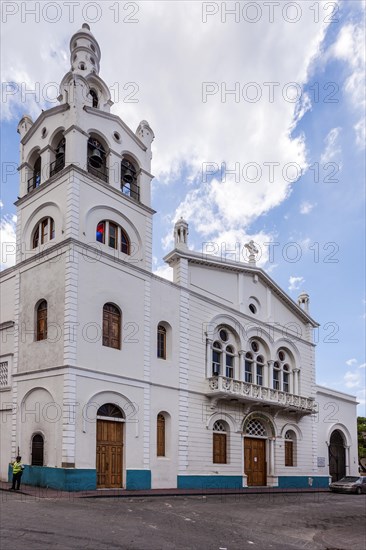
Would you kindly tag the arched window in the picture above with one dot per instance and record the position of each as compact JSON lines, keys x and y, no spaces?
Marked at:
{"x":41,"y":329}
{"x":129,"y":179}
{"x":219,"y":443}
{"x":161,"y":342}
{"x":160,"y":435}
{"x":290,"y":442}
{"x":254,"y":363}
{"x":110,"y":410}
{"x":37,"y":450}
{"x":282,"y":371}
{"x":223,"y":353}
{"x":229,"y":360}
{"x":97,"y":160}
{"x":35,"y":180}
{"x":94,"y":96}
{"x":110,"y":233}
{"x":43,"y":232}
{"x":59,"y":163}
{"x":216,"y":358}
{"x":111,"y":326}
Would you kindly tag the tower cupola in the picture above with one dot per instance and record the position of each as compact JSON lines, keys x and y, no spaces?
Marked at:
{"x":84,"y":52}
{"x":181,"y":234}
{"x":303,"y":301}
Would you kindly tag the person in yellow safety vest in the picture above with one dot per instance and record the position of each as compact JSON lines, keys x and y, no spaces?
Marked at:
{"x":17,"y":473}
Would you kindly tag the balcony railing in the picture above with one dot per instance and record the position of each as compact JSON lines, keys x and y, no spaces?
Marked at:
{"x":222,"y":387}
{"x":57,"y":165}
{"x":130,"y":190}
{"x":34,"y":182}
{"x":101,"y":173}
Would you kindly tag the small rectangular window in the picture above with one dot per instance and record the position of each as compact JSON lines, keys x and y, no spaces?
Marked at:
{"x":259,"y":375}
{"x":289,"y":453}
{"x":44,"y":231}
{"x":216,"y":363}
{"x":248,"y":372}
{"x":219,"y":448}
{"x":276,"y":380}
{"x":286,"y":385}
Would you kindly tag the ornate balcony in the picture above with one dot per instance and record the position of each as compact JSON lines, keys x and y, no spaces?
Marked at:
{"x":220,"y":387}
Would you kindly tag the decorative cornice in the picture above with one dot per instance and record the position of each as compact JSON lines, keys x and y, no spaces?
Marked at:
{"x":238,"y":267}
{"x":45,"y":114}
{"x":110,"y":116}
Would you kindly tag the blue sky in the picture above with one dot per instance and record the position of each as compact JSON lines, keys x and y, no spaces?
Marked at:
{"x":169,"y":54}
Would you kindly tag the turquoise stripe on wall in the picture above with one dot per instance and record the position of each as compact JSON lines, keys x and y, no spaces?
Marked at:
{"x":137,"y":480}
{"x":302,"y":482}
{"x":64,"y":479}
{"x":210,"y":482}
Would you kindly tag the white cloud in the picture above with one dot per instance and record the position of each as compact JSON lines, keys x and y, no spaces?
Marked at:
{"x":362,"y":366}
{"x":164,"y":271}
{"x":188,"y":130}
{"x":295,"y":282}
{"x":353,"y":379}
{"x":350,"y":48}
{"x":7,"y":240}
{"x":306,"y":207}
{"x":332,"y":151}
{"x":351,"y":362}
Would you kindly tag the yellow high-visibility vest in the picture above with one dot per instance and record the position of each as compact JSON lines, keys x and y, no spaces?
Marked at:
{"x":17,"y":467}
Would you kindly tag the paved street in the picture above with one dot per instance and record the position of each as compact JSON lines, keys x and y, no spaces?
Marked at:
{"x":321,"y":521}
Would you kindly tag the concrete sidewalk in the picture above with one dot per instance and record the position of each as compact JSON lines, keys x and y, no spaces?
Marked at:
{"x":46,"y":492}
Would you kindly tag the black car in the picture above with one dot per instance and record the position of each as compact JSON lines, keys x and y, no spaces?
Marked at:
{"x":349,"y":484}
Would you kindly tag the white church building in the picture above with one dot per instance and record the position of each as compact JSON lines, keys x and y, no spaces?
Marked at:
{"x":111,"y":376}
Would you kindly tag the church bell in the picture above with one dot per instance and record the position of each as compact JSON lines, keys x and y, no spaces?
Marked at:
{"x":128,"y":176}
{"x":96,"y":159}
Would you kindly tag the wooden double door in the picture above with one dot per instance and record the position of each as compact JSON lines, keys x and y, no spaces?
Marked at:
{"x":255,"y":466}
{"x":109,"y":454}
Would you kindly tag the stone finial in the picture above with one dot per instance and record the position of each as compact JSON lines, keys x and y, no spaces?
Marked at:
{"x":253,"y":251}
{"x":24,"y":125}
{"x":303,"y":301}
{"x":145,"y":133}
{"x":181,"y":234}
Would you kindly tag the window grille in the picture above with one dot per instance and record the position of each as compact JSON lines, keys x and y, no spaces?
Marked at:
{"x":4,"y":374}
{"x":256,"y":428}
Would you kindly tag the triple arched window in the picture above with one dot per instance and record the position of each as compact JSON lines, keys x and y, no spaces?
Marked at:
{"x":113,"y":235}
{"x":282,"y":371}
{"x":43,"y":232}
{"x":223,"y":354}
{"x":254,"y":363}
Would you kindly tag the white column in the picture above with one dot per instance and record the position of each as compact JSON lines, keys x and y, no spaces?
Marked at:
{"x":208,"y":357}
{"x":241,"y":373}
{"x":271,"y":456}
{"x":270,"y":374}
{"x":296,"y":381}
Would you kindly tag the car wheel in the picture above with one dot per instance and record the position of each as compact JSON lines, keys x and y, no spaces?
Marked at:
{"x":358,"y":491}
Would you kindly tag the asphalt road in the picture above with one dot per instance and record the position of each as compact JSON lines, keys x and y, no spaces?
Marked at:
{"x":321,"y":521}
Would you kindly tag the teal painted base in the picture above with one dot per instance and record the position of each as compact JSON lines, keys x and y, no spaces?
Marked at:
{"x":302,"y":482}
{"x":63,"y":479}
{"x":209,"y":482}
{"x":137,"y":480}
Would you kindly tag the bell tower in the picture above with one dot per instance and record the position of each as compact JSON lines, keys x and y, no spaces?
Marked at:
{"x":81,"y":165}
